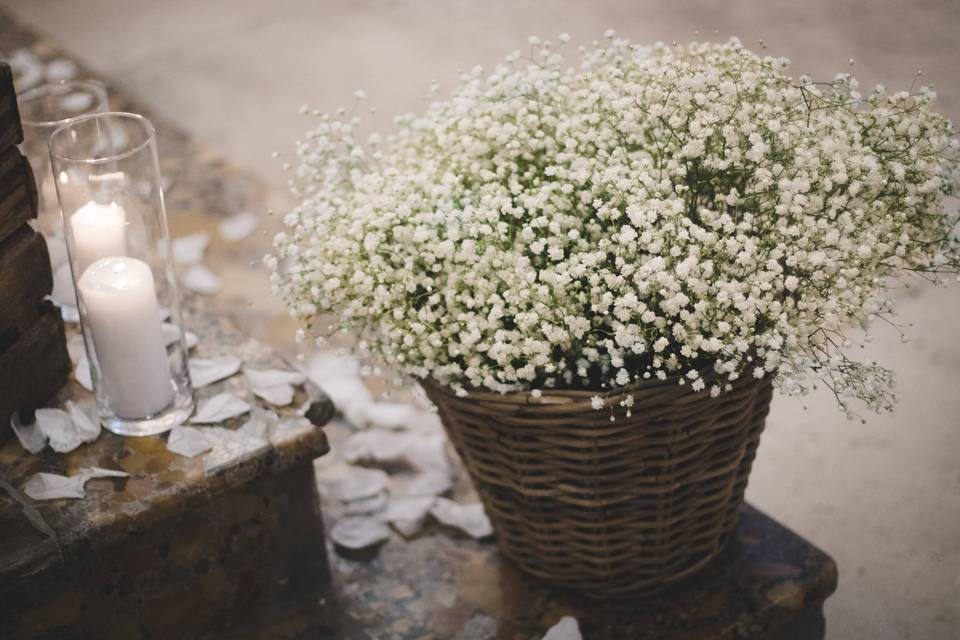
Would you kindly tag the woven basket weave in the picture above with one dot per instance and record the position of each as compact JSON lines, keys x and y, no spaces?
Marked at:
{"x":609,"y":508}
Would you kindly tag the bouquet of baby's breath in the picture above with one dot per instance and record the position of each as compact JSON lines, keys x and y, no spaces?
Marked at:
{"x":648,"y":213}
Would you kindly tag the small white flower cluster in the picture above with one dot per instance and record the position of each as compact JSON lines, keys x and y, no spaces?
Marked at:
{"x":685,"y":212}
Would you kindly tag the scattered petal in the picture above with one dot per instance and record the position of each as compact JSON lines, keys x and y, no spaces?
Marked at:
{"x":30,"y":435}
{"x":339,"y":378}
{"x":81,"y":373}
{"x":360,"y":483}
{"x":566,"y":629}
{"x":273,"y":385}
{"x":59,"y":430}
{"x":279,"y":396}
{"x":273,"y":377}
{"x":188,"y":441}
{"x":76,"y":347}
{"x":205,"y":371}
{"x":189,"y":249}
{"x":469,"y":518}
{"x":77,"y":102}
{"x":376,"y":445}
{"x":200,"y":279}
{"x":57,"y":426}
{"x":391,"y":415}
{"x":428,"y":453}
{"x":61,"y":69}
{"x":366,"y":506}
{"x":50,"y":486}
{"x":219,"y":408}
{"x":407,"y":515}
{"x":63,"y":294}
{"x":433,"y":483}
{"x":231,"y":446}
{"x":288,"y":429}
{"x":171,"y":333}
{"x":70,"y":314}
{"x":27,"y":69}
{"x":86,"y":421}
{"x":359,"y":532}
{"x":237,"y":227}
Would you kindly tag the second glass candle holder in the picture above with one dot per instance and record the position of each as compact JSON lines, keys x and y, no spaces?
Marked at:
{"x":108,"y":184}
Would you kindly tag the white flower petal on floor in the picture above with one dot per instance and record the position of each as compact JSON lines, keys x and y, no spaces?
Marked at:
{"x":390,"y":415}
{"x":30,"y":435}
{"x":59,"y":430}
{"x":200,"y":279}
{"x":64,"y":431}
{"x":188,"y":250}
{"x":76,"y":347}
{"x":171,"y":333}
{"x":233,"y":445}
{"x":61,"y":69}
{"x":428,"y":453}
{"x":81,"y":372}
{"x":377,"y":445}
{"x":63,"y":293}
{"x":366,"y":506}
{"x":407,"y":514}
{"x":28,"y":68}
{"x":469,"y":518}
{"x":237,"y":227}
{"x":566,"y":629}
{"x":360,"y":483}
{"x":432,"y":483}
{"x":205,"y":371}
{"x":273,"y":385}
{"x":86,"y":420}
{"x":188,"y":441}
{"x":51,"y":486}
{"x":358,"y":532}
{"x":339,"y":378}
{"x":219,"y":408}
{"x":70,"y":314}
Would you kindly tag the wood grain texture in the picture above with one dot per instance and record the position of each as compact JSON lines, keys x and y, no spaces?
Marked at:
{"x":18,"y":192}
{"x":25,"y":278}
{"x":34,"y":368}
{"x":11,"y":132}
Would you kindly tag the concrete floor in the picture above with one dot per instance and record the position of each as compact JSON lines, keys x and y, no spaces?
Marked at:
{"x":882,"y":497}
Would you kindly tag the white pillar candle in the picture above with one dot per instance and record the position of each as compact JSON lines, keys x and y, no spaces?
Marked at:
{"x":123,"y":317}
{"x":98,"y":232}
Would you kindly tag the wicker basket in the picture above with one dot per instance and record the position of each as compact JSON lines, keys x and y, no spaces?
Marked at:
{"x":609,"y":508}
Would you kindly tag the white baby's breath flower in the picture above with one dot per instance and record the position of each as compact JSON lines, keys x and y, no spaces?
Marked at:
{"x":642,"y":214}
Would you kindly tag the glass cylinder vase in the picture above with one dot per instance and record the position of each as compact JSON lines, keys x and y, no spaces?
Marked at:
{"x":43,"y":110}
{"x":108,"y":185}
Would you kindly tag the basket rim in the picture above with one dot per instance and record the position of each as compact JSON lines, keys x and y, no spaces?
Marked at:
{"x":573,"y":399}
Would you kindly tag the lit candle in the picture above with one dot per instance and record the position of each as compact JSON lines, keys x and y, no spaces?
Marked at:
{"x":123,"y":317}
{"x":98,"y":232}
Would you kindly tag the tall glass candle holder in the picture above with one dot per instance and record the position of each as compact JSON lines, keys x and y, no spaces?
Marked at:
{"x":43,"y":109}
{"x":111,"y":205}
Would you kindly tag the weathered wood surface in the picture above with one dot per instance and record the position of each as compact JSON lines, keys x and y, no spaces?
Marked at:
{"x":25,"y":278}
{"x":34,"y":367}
{"x":11,"y":132}
{"x":18,"y":192}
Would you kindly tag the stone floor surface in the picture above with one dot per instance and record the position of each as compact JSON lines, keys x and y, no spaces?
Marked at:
{"x":883,"y":497}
